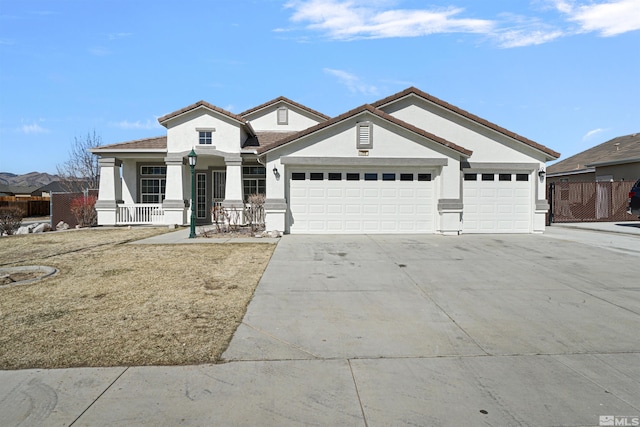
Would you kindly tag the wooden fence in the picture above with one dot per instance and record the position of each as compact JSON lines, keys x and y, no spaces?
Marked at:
{"x":590,"y":201}
{"x":31,"y":206}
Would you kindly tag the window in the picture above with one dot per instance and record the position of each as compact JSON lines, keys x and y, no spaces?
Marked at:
{"x":335,"y":176}
{"x":152,"y":190}
{"x":504,"y":177}
{"x":388,"y":176}
{"x":253,"y":180}
{"x":424,"y":177}
{"x":370,"y":176}
{"x":153,"y":183}
{"x":353,"y":177}
{"x":153,"y":170}
{"x":364,"y":135}
{"x":283,"y":116}
{"x":201,"y":195}
{"x":316,"y":176}
{"x":488,"y":177}
{"x":406,"y":177}
{"x":522,"y":177}
{"x":470,"y":176}
{"x":298,"y":176}
{"x":205,"y":137}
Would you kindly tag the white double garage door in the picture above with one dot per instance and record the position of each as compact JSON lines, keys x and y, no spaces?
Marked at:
{"x":400,"y":201}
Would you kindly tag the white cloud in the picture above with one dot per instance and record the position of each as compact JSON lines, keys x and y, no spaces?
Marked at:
{"x":361,"y":19}
{"x":118,"y":36}
{"x":591,"y":133}
{"x":347,"y":20}
{"x":99,"y":51}
{"x":33,"y":129}
{"x":352,"y":82}
{"x":607,"y":18}
{"x":526,"y":37}
{"x":149,"y":124}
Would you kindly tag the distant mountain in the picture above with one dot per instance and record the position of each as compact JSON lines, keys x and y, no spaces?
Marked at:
{"x":33,"y":179}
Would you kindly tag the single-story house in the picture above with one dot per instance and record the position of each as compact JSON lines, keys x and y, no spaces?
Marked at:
{"x":408,"y":163}
{"x":615,"y":160}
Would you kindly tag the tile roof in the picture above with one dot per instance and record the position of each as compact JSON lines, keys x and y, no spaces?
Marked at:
{"x":267,"y":139}
{"x":372,"y":110}
{"x":288,"y":101}
{"x":157,"y":143}
{"x":616,"y":150}
{"x":197,"y":105}
{"x":468,"y":115}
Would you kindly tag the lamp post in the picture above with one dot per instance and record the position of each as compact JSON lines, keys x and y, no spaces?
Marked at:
{"x":193,"y":158}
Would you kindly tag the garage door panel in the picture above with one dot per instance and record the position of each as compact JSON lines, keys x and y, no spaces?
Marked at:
{"x":497,"y":206}
{"x":341,"y":206}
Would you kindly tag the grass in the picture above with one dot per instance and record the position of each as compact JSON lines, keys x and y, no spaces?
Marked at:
{"x":117,"y":304}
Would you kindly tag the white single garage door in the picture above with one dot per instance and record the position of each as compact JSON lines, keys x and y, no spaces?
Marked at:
{"x":497,"y":202}
{"x":361,"y":201}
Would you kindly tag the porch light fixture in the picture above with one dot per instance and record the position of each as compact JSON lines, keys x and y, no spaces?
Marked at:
{"x":193,"y":159}
{"x":276,"y":173}
{"x":541,"y":173}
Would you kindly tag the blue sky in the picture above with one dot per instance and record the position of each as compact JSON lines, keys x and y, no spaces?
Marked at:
{"x":564,"y":73}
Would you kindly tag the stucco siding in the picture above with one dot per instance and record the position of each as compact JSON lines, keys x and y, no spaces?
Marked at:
{"x":182,"y":133}
{"x":267,"y":120}
{"x":487,"y":145}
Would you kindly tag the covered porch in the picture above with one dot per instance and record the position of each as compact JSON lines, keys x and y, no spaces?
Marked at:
{"x":151,"y":189}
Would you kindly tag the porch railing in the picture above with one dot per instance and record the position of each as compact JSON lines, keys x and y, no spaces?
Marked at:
{"x":140,"y":213}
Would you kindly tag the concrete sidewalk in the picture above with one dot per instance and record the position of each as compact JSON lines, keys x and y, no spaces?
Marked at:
{"x":530,"y":330}
{"x":181,"y":236}
{"x":628,"y":227}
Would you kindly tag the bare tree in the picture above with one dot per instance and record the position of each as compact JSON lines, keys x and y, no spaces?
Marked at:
{"x":82,"y":169}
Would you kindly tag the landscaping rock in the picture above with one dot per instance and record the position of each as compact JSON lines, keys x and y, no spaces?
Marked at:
{"x":26,"y":229}
{"x":62,"y":226}
{"x":41,"y":228}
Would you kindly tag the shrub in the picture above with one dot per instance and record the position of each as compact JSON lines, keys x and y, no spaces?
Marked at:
{"x":10,"y":219}
{"x":84,"y":210}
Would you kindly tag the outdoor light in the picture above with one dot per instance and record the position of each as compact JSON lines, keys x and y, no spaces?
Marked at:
{"x":193,"y":159}
{"x":541,"y":173}
{"x":275,"y":171}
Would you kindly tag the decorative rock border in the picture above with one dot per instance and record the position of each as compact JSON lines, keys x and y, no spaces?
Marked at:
{"x":39,"y":271}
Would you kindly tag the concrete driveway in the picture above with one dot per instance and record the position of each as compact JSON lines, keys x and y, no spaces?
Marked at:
{"x":496,"y":330}
{"x":530,"y":330}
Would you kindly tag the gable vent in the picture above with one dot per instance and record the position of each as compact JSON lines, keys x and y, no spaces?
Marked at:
{"x":365,"y":135}
{"x":283,"y":116}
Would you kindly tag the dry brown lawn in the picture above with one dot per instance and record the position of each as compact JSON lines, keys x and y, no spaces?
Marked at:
{"x":118,"y":304}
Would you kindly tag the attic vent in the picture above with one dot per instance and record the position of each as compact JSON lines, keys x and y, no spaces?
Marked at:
{"x":283,"y":116}
{"x":617,"y":145}
{"x":365,"y":135}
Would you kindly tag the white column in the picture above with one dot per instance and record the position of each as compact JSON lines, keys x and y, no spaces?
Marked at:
{"x":275,"y":207}
{"x":450,"y":199}
{"x":175,"y":202}
{"x":110,"y":192}
{"x":233,"y":187}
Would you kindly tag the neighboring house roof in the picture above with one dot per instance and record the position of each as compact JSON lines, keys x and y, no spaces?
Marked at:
{"x":286,"y":100}
{"x":13,"y":190}
{"x":620,"y":150}
{"x":158,"y":143}
{"x":64,"y":187}
{"x":417,"y":92}
{"x":201,"y":104}
{"x":374,"y":111}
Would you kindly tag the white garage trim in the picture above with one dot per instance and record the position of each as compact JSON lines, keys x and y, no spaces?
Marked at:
{"x":372,"y":200}
{"x":497,"y":202}
{"x":364,"y":161}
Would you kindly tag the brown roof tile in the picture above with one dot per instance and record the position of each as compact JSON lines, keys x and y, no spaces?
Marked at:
{"x":288,"y":101}
{"x":473,"y":117}
{"x":266,"y":139}
{"x":197,"y":105}
{"x":157,"y":143}
{"x":376,"y":112}
{"x":615,"y":150}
